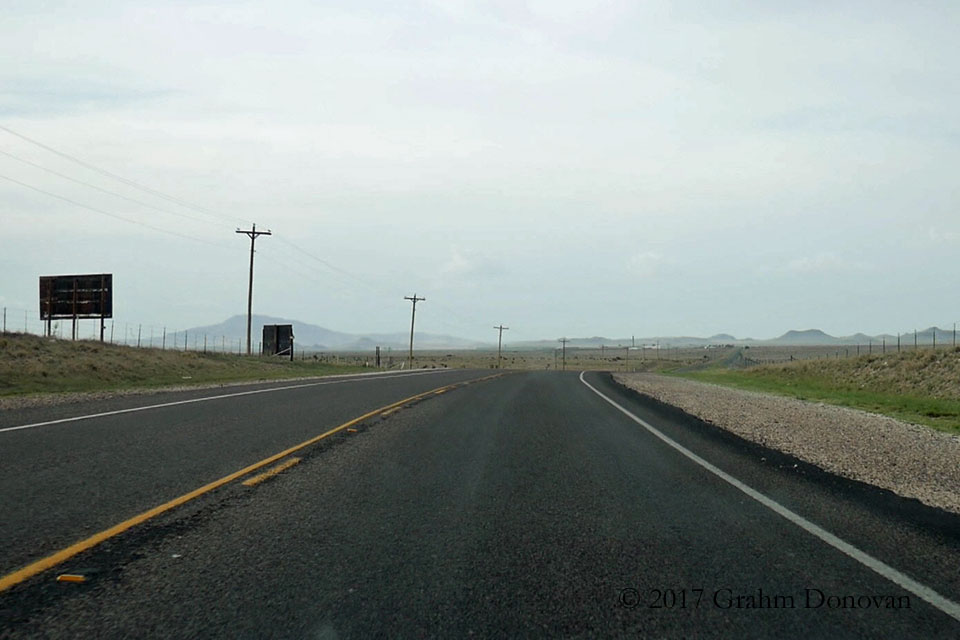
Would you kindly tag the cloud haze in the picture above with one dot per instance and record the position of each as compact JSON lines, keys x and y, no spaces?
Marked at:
{"x":565,"y":168}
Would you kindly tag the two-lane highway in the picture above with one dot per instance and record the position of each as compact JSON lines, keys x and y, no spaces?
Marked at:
{"x":533,"y":504}
{"x":72,"y":470}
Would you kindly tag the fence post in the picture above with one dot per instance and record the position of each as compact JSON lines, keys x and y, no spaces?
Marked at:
{"x":139,"y":328}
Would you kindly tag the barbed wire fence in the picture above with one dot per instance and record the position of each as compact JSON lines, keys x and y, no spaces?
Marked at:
{"x":154,"y":336}
{"x":131,"y":334}
{"x":149,"y":336}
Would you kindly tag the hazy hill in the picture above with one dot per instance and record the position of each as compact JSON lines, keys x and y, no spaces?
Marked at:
{"x":310,"y":336}
{"x":794,"y":337}
{"x":805,"y":337}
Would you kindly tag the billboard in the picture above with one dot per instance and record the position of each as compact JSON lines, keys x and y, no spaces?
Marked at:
{"x":277,"y":340}
{"x":79,"y":296}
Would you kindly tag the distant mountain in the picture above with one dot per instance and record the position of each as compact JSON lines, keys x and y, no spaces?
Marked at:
{"x":805,"y":337}
{"x":928,"y":336}
{"x":310,"y":336}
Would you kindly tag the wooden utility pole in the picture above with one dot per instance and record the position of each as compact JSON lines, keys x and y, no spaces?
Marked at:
{"x":501,"y":329}
{"x":413,"y":317}
{"x":564,"y":342}
{"x":252,"y":234}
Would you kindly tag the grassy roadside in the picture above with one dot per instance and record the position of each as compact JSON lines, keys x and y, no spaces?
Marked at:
{"x":920,"y":387}
{"x":31,"y":364}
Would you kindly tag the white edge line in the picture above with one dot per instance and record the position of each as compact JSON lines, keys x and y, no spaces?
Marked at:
{"x":922,"y":591}
{"x":368,"y":376}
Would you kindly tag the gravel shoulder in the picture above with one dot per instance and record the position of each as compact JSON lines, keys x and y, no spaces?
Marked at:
{"x":910,"y":460}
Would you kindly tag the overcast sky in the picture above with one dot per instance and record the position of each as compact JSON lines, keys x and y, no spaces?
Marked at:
{"x":563,"y":168}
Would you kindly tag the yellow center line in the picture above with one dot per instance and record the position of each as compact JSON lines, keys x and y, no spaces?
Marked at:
{"x":65,"y":554}
{"x":283,"y":466}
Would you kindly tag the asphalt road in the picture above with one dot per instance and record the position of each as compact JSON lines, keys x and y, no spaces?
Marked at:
{"x":525,"y":505}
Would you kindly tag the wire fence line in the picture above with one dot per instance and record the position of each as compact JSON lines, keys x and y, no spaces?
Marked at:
{"x":151,"y":336}
{"x":131,"y":334}
{"x":148,"y":336}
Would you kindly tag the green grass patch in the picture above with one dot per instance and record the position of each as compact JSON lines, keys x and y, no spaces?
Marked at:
{"x":30,"y":364}
{"x":942,"y":413}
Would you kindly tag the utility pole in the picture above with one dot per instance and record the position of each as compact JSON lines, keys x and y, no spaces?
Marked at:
{"x":413,"y":317}
{"x":564,"y":341}
{"x":501,"y":329}
{"x":252,"y":234}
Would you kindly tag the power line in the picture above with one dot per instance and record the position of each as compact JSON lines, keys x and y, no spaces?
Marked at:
{"x":116,"y":216}
{"x":465,"y":323}
{"x":107,"y":191}
{"x":167,"y":197}
{"x":335,"y":268}
{"x":119,"y":178}
{"x":304,"y":270}
{"x":112,"y":215}
{"x":374,"y":286}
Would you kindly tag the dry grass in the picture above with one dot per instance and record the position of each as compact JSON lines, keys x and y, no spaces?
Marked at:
{"x":935,"y":374}
{"x":917,"y":386}
{"x":578,"y":359}
{"x":32,"y":364}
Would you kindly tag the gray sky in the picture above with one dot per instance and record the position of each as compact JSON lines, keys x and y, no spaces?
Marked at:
{"x":565,"y":168}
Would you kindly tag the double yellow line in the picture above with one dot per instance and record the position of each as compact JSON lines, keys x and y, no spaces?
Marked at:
{"x":53,"y":560}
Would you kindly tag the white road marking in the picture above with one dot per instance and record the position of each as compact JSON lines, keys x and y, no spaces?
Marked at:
{"x":922,"y":591}
{"x":353,"y":378}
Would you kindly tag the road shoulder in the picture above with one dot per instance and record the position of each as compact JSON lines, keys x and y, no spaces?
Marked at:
{"x":910,"y":460}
